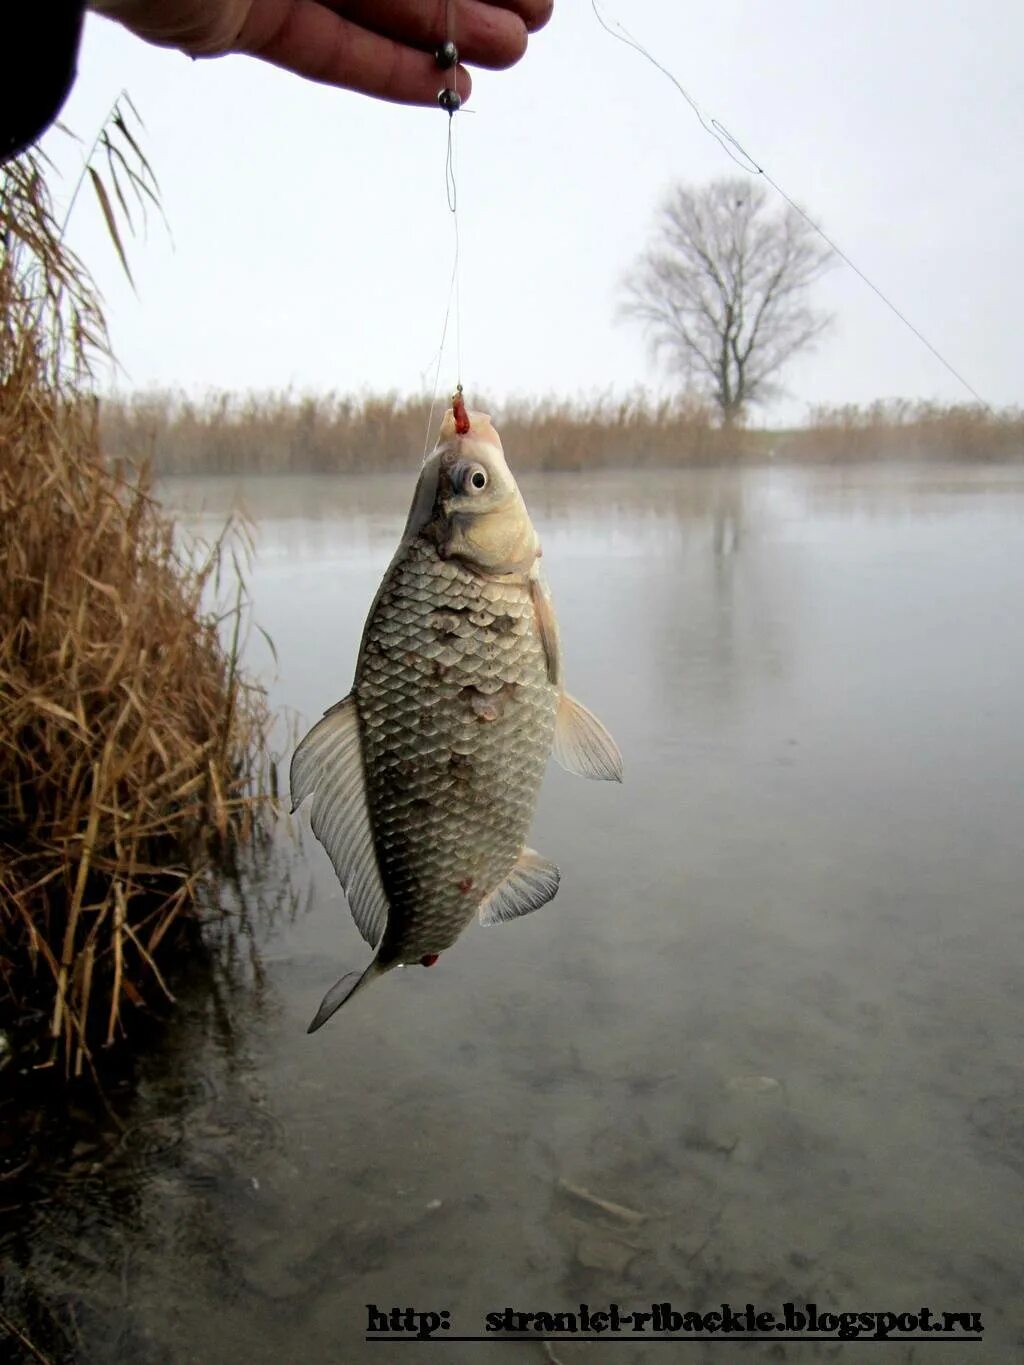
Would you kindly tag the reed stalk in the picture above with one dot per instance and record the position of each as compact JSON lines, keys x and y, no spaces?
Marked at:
{"x":288,"y":433}
{"x":131,"y":741}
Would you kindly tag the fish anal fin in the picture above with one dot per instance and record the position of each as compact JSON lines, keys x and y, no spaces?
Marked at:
{"x":328,"y":765}
{"x":582,"y":745}
{"x":531,"y":883}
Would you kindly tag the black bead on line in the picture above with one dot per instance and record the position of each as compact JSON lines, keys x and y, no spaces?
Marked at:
{"x":446,"y":55}
{"x":449,"y":100}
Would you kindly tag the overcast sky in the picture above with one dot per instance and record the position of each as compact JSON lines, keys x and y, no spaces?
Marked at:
{"x":312,"y":242}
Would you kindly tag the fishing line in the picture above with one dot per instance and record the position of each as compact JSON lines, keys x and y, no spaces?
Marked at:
{"x":453,"y":205}
{"x":743,"y":159}
{"x":447,"y":57}
{"x":452,"y":293}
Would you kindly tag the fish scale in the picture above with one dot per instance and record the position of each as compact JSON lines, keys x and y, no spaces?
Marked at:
{"x":454,"y":701}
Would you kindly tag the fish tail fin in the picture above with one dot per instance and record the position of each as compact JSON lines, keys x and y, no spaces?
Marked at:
{"x":343,"y":991}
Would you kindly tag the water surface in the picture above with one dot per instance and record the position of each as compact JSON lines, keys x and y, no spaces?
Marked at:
{"x":776,"y":1006}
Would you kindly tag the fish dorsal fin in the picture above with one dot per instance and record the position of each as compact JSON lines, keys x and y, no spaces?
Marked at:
{"x":531,"y":883}
{"x":328,"y":765}
{"x":547,"y":626}
{"x":582,"y":745}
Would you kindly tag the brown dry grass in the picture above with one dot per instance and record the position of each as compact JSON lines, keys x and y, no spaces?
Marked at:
{"x":283,"y":433}
{"x":899,"y":429}
{"x":130,"y":744}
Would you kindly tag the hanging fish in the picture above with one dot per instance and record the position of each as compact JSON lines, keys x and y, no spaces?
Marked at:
{"x":425,"y":777}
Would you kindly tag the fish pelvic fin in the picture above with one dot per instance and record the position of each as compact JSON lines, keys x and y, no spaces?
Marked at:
{"x":582,"y":745}
{"x":342,"y":991}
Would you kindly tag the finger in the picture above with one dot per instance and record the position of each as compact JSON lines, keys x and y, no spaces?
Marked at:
{"x":485,"y":34}
{"x":534,"y":13}
{"x":305,"y":37}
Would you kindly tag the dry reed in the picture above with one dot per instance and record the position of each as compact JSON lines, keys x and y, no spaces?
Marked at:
{"x":130,"y":742}
{"x":284,"y":433}
{"x":899,"y":429}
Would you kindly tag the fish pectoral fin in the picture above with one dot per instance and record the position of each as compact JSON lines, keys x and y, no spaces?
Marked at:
{"x":582,"y":745}
{"x":343,"y":991}
{"x":531,"y":883}
{"x":547,"y":626}
{"x":328,"y":765}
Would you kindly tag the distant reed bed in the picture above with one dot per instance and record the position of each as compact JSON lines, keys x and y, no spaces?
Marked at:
{"x":131,"y":743}
{"x":898,"y":429}
{"x":288,"y":433}
{"x":283,"y":433}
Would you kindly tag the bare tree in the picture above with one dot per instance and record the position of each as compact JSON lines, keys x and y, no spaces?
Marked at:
{"x":723,"y":290}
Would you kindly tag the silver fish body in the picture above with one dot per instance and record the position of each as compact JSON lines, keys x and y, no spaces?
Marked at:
{"x":426,"y":776}
{"x":457,"y":716}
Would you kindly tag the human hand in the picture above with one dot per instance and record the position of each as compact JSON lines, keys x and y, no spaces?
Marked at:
{"x":383,"y":48}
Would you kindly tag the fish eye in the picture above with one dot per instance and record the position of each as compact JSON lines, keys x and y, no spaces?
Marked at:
{"x":476,"y":479}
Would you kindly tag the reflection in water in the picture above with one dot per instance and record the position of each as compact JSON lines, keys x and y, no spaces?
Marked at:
{"x":770,"y":1027}
{"x":88,"y":1200}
